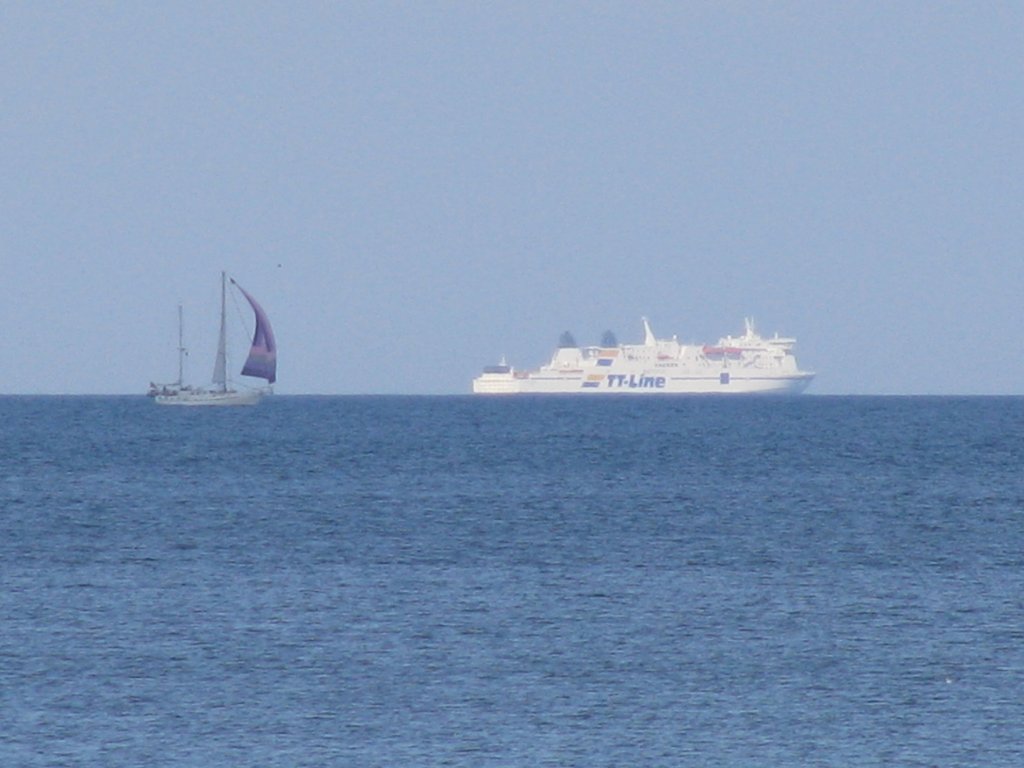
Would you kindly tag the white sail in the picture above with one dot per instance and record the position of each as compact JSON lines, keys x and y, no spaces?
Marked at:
{"x":220,"y":363}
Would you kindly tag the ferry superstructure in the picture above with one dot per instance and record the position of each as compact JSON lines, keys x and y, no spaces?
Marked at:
{"x":748,"y":364}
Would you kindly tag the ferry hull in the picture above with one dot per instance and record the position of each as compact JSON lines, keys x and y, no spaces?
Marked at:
{"x":684,"y":385}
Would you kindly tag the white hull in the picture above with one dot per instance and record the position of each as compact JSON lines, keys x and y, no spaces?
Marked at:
{"x":199,"y":398}
{"x":746,"y":365}
{"x":489,"y":384}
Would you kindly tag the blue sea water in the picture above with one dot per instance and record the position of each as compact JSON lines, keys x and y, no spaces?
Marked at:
{"x":450,"y":581}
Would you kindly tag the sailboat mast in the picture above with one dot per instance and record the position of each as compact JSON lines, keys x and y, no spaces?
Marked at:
{"x":220,"y":378}
{"x":181,"y":348}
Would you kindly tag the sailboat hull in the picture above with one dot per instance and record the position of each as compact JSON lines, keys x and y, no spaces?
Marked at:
{"x":200,"y":398}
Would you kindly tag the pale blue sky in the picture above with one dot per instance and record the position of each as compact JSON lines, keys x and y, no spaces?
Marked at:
{"x":414,"y":189}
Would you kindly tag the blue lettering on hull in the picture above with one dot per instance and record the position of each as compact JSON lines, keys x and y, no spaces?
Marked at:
{"x":634,"y":381}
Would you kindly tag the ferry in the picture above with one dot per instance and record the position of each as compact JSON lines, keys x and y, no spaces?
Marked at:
{"x":747,"y":364}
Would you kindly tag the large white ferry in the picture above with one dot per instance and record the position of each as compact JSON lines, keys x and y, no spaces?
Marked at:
{"x":748,"y":364}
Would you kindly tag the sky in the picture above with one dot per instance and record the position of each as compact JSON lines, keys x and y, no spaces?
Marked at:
{"x":415,"y":189}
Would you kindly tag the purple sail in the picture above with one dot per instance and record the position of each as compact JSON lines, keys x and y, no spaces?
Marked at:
{"x":262,"y":360}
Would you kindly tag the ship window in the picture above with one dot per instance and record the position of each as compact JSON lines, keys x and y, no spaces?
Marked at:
{"x":723,"y":378}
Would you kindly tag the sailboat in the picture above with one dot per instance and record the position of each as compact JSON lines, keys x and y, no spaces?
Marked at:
{"x":261,"y":363}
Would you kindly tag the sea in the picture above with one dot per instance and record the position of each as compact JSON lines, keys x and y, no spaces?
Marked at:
{"x":532,"y":581}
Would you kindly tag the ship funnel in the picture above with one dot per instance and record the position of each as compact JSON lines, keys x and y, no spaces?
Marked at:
{"x":649,"y":340}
